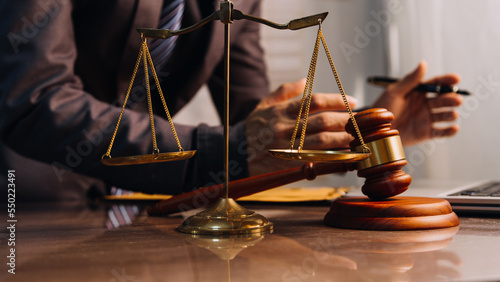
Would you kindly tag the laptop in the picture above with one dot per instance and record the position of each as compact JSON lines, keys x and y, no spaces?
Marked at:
{"x":473,"y":197}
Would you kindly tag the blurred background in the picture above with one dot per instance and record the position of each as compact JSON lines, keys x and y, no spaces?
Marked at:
{"x":390,"y":37}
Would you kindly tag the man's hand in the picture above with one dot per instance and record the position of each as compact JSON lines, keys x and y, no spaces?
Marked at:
{"x":271,"y":124}
{"x":416,"y":114}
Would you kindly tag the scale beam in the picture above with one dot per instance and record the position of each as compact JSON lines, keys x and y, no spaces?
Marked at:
{"x":292,"y":25}
{"x":234,"y":15}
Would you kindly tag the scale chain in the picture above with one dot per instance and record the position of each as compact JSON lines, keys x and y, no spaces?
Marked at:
{"x":307,"y":95}
{"x":146,"y":61}
{"x":344,"y":97}
{"x":306,"y":98}
{"x":131,"y":83}
{"x":162,"y":97}
{"x":148,"y":91}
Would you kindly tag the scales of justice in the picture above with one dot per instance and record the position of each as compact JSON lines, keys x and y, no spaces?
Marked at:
{"x":376,"y":153}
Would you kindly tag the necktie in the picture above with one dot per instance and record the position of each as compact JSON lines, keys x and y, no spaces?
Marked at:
{"x":171,"y":16}
{"x":120,"y":215}
{"x":161,"y":49}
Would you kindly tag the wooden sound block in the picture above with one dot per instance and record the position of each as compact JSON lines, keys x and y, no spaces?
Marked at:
{"x":397,"y":213}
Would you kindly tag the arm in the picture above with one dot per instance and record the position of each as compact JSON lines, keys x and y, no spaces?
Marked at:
{"x":48,"y":115}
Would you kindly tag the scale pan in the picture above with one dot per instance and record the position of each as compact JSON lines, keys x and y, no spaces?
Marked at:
{"x":146,"y":159}
{"x":325,"y":156}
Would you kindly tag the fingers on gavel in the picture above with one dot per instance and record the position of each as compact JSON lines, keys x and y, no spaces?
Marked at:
{"x":382,"y":170}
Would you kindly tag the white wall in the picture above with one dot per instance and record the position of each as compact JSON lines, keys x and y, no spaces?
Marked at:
{"x":384,"y":37}
{"x":458,"y":36}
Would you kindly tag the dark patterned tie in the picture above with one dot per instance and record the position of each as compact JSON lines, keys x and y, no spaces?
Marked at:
{"x":120,"y":215}
{"x":171,"y":17}
{"x":161,"y":49}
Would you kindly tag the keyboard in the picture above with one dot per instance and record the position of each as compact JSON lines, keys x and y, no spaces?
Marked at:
{"x":491,"y":189}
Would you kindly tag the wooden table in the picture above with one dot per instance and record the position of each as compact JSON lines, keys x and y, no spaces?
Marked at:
{"x":69,"y":242}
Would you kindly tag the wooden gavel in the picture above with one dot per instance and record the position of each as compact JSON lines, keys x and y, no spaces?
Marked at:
{"x":384,"y":177}
{"x":206,"y":196}
{"x":382,"y":170}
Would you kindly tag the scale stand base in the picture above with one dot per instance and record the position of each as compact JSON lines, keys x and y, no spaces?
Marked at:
{"x":397,"y":213}
{"x":226,"y":217}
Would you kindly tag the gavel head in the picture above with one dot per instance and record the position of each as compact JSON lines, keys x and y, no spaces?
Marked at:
{"x":382,"y":170}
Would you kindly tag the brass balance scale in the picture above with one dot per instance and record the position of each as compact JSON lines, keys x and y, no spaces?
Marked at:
{"x":226,"y":217}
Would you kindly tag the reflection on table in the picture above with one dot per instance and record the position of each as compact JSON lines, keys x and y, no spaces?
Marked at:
{"x":70,"y":242}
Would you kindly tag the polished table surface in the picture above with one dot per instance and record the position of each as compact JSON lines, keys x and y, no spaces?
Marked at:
{"x":70,"y":242}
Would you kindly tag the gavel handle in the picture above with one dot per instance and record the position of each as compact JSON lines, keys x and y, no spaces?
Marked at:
{"x":243,"y":187}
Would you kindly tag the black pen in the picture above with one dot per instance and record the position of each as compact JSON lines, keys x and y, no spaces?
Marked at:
{"x":440,"y":89}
